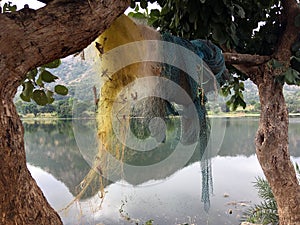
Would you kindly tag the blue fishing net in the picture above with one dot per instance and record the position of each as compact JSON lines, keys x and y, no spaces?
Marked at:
{"x":212,"y":56}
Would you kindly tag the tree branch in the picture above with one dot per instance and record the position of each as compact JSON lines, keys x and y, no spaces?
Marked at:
{"x":57,"y":30}
{"x":245,"y":59}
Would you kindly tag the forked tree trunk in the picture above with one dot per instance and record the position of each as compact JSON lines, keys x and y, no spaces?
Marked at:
{"x":29,"y":39}
{"x":272,"y":149}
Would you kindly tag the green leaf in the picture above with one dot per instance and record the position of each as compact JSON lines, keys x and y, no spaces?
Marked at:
{"x":275,"y":64}
{"x":154,"y":12}
{"x":224,"y":91}
{"x":152,"y":21}
{"x":27,"y":89}
{"x":54,"y":64}
{"x":25,"y":98}
{"x":164,"y":11}
{"x":137,"y":15}
{"x":49,"y":95}
{"x":176,"y":20}
{"x":239,"y":11}
{"x":291,"y":76}
{"x":297,"y":20}
{"x":242,"y":103}
{"x":61,"y":90}
{"x":137,"y":8}
{"x":40,"y":97}
{"x":39,"y":81}
{"x":132,"y":4}
{"x":186,"y":27}
{"x":144,"y":4}
{"x":48,"y":77}
{"x":8,"y":7}
{"x":242,"y":86}
{"x":31,"y":74}
{"x":218,"y":34}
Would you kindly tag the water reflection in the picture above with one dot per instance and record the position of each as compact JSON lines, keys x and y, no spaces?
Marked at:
{"x":58,"y":166}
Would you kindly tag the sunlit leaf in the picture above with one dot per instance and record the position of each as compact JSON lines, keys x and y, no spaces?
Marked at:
{"x":48,"y":77}
{"x":8,"y":7}
{"x":28,"y":89}
{"x":31,"y":74}
{"x":40,"y":97}
{"x":39,"y":81}
{"x":54,"y":64}
{"x":61,"y":90}
{"x":137,"y":8}
{"x":25,"y":98}
{"x":137,"y":15}
{"x":49,"y":95}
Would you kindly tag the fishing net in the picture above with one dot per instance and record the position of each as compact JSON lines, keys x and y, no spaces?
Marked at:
{"x":150,"y":93}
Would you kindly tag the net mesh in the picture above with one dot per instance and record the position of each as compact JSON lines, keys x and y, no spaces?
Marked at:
{"x":127,"y":109}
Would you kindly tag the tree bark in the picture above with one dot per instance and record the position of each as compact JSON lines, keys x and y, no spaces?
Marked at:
{"x":272,"y":148}
{"x":29,"y":39}
{"x":22,"y":201}
{"x":272,"y":135}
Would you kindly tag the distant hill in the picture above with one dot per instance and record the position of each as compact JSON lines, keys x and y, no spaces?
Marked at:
{"x":74,"y":72}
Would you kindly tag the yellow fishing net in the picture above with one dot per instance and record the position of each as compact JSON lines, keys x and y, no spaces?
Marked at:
{"x":114,"y":97}
{"x":142,"y":76}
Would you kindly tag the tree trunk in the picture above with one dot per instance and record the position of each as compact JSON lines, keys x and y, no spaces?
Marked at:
{"x":29,"y":39}
{"x":22,"y":202}
{"x":272,"y":149}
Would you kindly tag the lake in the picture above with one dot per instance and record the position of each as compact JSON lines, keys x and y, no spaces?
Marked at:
{"x":59,"y":155}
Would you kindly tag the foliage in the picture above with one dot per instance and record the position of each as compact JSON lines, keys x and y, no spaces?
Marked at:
{"x":251,"y":27}
{"x":265,"y":212}
{"x":34,"y":84}
{"x":34,"y":87}
{"x":60,"y":108}
{"x":8,"y":7}
{"x":237,"y":99}
{"x":151,"y":17}
{"x":217,"y":20}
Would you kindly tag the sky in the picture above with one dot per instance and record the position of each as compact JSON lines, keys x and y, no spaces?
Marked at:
{"x":34,"y":4}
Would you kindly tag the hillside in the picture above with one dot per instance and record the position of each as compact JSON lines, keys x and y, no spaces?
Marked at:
{"x":75,"y":73}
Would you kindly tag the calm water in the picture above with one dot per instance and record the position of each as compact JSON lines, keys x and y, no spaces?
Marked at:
{"x":59,"y":161}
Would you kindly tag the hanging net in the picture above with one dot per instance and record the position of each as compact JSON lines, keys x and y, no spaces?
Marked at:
{"x":150,"y":93}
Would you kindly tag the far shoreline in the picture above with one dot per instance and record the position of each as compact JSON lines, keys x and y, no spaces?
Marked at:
{"x":47,"y":117}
